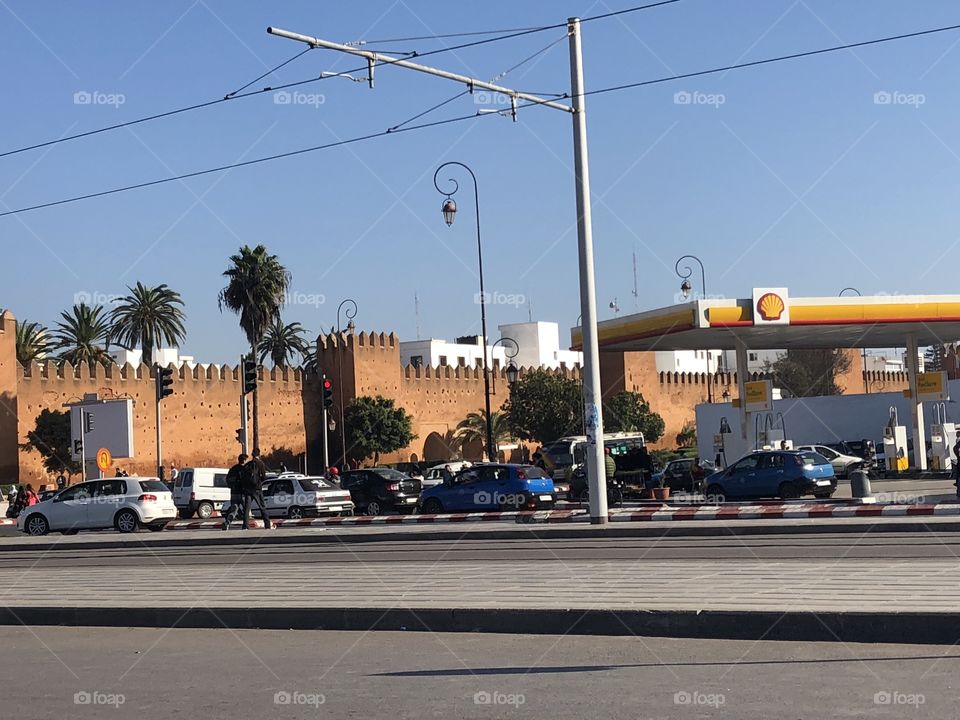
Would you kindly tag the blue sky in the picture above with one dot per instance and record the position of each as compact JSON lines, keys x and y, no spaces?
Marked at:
{"x":785,"y":175}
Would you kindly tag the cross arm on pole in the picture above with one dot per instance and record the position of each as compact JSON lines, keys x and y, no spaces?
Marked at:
{"x":374,"y":59}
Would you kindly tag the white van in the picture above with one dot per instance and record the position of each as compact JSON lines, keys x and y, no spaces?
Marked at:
{"x":200,"y":491}
{"x":434,"y":476}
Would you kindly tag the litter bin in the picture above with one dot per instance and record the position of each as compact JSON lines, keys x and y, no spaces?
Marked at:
{"x":860,"y":484}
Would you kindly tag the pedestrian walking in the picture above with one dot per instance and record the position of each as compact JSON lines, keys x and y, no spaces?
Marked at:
{"x":956,"y":463}
{"x":254,"y":475}
{"x":235,"y":482}
{"x":61,"y":481}
{"x":31,"y":498}
{"x":12,"y":502}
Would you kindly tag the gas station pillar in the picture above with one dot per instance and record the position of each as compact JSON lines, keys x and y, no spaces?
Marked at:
{"x":916,"y":405}
{"x":742,"y":371}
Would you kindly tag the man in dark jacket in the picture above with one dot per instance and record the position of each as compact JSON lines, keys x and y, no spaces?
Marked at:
{"x":254,"y":475}
{"x":234,"y":478}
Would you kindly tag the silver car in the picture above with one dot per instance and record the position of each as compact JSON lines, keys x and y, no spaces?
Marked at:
{"x":299,"y":497}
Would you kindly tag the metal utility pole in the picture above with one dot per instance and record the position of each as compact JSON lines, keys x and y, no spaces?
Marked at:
{"x":591,"y":357}
{"x":243,"y":413}
{"x":83,"y":445}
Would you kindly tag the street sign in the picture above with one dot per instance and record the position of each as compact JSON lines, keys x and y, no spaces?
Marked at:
{"x":932,"y":386}
{"x":104,"y":459}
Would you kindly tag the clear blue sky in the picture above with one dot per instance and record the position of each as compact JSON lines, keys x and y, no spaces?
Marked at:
{"x":877,"y":183}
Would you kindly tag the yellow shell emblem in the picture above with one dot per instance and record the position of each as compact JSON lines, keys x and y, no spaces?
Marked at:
{"x":770,"y":306}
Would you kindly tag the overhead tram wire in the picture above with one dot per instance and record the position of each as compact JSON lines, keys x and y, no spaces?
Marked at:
{"x":238,"y":95}
{"x":268,"y":72}
{"x":437,"y":123}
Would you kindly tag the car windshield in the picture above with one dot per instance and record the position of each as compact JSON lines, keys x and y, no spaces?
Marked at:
{"x":389,"y":474}
{"x":559,"y":453}
{"x":153,"y":486}
{"x":311,"y":484}
{"x":532,"y":472}
{"x":813,"y":458}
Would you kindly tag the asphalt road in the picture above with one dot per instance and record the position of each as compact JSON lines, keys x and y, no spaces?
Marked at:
{"x":56,"y":673}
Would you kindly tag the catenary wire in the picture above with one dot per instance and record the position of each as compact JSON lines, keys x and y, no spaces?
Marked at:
{"x":451,"y":120}
{"x":238,"y":95}
{"x":270,"y":72}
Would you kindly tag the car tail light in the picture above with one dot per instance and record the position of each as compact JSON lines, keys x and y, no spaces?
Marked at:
{"x":147,"y":498}
{"x":393,"y":487}
{"x":531,"y":505}
{"x":521,"y":474}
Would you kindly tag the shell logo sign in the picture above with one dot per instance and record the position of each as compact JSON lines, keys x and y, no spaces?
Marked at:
{"x":770,"y":306}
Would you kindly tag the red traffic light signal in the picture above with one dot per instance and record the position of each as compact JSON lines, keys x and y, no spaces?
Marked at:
{"x":327,"y":392}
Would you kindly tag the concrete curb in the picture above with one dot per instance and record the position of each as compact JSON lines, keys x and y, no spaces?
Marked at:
{"x":847,"y":627}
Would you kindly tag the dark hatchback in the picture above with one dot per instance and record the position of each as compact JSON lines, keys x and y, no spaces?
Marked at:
{"x":378,"y":491}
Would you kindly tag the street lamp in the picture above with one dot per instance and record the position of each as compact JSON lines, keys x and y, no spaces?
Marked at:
{"x":510,"y":349}
{"x":449,"y":214}
{"x":685,"y":288}
{"x":350,"y":313}
{"x":866,"y":385}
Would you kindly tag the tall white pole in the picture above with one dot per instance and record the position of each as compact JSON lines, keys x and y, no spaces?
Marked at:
{"x":592,"y":407}
{"x":916,"y":406}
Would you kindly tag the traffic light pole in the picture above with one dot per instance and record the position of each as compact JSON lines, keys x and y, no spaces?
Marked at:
{"x":83,"y":445}
{"x":243,"y":412}
{"x":593,"y":414}
{"x":159,"y":434}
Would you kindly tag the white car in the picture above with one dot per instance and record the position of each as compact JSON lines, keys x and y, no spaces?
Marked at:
{"x":200,"y":491}
{"x":842,"y":464}
{"x":300,"y":496}
{"x":125,"y":504}
{"x":434,"y":476}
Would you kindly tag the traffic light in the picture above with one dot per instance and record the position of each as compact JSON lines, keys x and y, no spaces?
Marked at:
{"x":240,"y":436}
{"x":87,"y":422}
{"x":77,"y":447}
{"x":249,"y":376}
{"x":327,"y":393}
{"x":164,"y":382}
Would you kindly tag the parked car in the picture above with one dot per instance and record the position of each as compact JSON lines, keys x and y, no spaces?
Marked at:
{"x":491,"y":487}
{"x":200,"y":491}
{"x":125,"y":504}
{"x":377,"y":491}
{"x":785,"y":474}
{"x":302,"y":496}
{"x":842,"y":462}
{"x":434,"y":475}
{"x":685,"y":474}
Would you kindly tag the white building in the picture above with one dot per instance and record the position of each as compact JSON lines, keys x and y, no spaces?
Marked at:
{"x":539,"y":346}
{"x":689,"y":361}
{"x":439,"y":353}
{"x":164,"y":356}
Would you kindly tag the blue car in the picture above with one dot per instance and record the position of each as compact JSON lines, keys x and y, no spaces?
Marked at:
{"x":784,"y":474}
{"x":491,"y":487}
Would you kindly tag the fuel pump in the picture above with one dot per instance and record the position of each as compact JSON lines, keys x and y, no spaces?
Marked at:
{"x":942,"y":437}
{"x":895,"y":444}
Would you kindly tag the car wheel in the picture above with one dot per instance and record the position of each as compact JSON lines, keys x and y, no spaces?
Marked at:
{"x":157,"y":527}
{"x":373,"y":508}
{"x":295,"y":512}
{"x":787,"y":491}
{"x":185,"y":514}
{"x":204,"y":510}
{"x":126,"y":521}
{"x":432,"y":507}
{"x":36,"y":525}
{"x":715,"y":492}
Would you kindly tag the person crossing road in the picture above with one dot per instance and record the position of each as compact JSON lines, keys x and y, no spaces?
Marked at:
{"x":234,"y":481}
{"x":254,"y":475}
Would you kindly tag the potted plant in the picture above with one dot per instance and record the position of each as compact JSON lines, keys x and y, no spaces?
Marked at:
{"x":662,"y":491}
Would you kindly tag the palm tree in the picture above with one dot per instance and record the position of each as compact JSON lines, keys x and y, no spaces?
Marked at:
{"x":473,"y":428}
{"x":148,"y":318}
{"x":81,"y":335}
{"x":308,"y":359}
{"x":256,"y":288}
{"x":282,"y":343}
{"x":33,"y":342}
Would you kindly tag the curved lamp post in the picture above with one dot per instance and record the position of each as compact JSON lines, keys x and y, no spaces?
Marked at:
{"x":449,"y":215}
{"x":685,"y":288}
{"x":866,"y":385}
{"x":350,"y":313}
{"x":510,"y":348}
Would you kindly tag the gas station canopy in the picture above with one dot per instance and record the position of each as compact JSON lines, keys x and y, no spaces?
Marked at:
{"x":772,"y":320}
